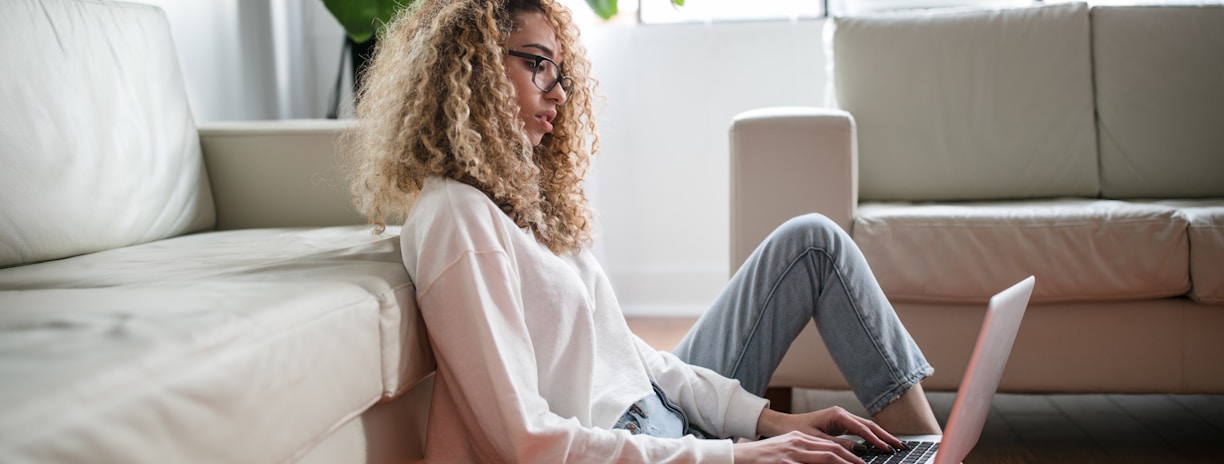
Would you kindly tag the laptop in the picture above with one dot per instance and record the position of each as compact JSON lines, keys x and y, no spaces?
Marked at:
{"x":977,"y":388}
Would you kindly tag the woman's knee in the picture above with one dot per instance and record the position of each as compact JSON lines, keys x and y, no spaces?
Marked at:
{"x":803,"y":234}
{"x":811,"y":227}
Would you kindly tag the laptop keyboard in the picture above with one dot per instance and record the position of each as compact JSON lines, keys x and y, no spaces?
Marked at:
{"x":919,"y":452}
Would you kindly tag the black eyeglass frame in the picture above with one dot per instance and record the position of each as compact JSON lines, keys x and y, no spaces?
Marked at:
{"x":567,"y":82}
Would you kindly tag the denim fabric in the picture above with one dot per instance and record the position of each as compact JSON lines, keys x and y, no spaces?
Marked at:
{"x":657,"y":416}
{"x":807,"y":269}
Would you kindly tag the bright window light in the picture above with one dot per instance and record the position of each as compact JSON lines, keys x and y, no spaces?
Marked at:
{"x":663,"y":12}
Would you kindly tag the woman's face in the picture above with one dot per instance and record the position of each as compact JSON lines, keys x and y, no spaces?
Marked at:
{"x":537,"y":108}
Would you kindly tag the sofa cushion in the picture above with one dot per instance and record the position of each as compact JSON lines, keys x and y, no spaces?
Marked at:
{"x":176,"y":372}
{"x":1206,"y":234}
{"x":289,"y":332}
{"x":1160,"y":102}
{"x":972,"y":105}
{"x":1080,"y":250}
{"x":96,"y":138}
{"x":1207,"y":252}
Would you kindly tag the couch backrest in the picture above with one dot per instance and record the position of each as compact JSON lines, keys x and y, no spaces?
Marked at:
{"x":1159,"y":74}
{"x":970,"y":104}
{"x":98,"y":148}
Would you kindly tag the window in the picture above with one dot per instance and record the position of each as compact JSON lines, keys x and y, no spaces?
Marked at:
{"x":852,"y":7}
{"x":663,"y":12}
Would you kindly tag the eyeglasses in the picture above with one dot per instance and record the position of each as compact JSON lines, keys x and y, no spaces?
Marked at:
{"x":545,"y":73}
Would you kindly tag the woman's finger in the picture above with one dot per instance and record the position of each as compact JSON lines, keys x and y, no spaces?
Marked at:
{"x":872,"y":433}
{"x":842,"y":422}
{"x":843,"y":442}
{"x":823,"y":449}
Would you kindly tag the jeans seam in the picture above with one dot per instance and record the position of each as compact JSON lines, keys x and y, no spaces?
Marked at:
{"x":667,"y":404}
{"x":902,"y":381}
{"x":858,"y":315}
{"x":760,"y":315}
{"x":809,"y":253}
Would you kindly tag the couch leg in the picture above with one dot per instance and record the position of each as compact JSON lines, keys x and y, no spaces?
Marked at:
{"x":779,"y":398}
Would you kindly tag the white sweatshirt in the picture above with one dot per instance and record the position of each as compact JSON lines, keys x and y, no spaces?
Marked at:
{"x":535,"y":361}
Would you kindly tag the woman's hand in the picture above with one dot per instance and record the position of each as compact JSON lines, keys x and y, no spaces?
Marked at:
{"x":827,"y":424}
{"x":794,"y":447}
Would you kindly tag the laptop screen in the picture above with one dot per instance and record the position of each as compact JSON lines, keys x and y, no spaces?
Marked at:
{"x":986,"y":364}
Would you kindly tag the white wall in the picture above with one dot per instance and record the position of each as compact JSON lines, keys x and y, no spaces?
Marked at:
{"x":660,"y":183}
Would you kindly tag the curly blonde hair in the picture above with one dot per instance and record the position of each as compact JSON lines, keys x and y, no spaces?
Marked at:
{"x":436,"y":102}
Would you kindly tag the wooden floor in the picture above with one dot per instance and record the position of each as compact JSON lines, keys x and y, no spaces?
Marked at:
{"x":1079,"y":428}
{"x":1051,"y":428}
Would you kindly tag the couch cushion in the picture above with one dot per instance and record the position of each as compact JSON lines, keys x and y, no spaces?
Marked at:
{"x":96,"y":138}
{"x":970,"y":105}
{"x":1080,"y":250}
{"x":1206,"y":234}
{"x":1160,"y":102}
{"x":182,"y":372}
{"x":1206,"y":251}
{"x":289,"y":332}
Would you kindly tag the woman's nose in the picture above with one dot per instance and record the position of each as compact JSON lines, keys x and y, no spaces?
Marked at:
{"x":557,"y":94}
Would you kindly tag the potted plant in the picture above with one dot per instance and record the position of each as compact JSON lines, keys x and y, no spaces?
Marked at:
{"x":362,"y":21}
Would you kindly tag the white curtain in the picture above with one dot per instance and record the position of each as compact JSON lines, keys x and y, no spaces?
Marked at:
{"x":257,"y":59}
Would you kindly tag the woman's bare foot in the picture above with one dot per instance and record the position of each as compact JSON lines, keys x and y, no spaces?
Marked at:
{"x":909,"y":415}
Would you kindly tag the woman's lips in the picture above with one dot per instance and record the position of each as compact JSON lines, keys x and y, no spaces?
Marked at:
{"x":544,"y":123}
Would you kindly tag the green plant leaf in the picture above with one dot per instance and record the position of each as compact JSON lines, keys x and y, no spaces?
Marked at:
{"x":606,"y":9}
{"x":678,"y":2}
{"x":362,"y":19}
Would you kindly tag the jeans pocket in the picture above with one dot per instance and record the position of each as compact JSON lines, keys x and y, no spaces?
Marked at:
{"x":631,"y":420}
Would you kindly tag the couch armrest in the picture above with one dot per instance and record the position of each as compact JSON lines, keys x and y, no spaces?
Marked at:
{"x":786,"y":162}
{"x":277,"y":173}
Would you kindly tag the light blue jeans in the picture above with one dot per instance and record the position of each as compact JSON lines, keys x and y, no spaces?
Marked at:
{"x":657,"y":416}
{"x":807,"y":269}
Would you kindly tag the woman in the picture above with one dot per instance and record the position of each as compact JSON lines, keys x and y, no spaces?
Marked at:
{"x":476,"y":123}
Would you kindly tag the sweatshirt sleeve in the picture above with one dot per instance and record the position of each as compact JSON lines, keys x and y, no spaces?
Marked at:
{"x":474,"y":314}
{"x":713,"y":402}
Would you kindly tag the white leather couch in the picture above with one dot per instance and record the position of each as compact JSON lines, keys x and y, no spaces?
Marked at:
{"x":171,"y":293}
{"x":969,"y":149}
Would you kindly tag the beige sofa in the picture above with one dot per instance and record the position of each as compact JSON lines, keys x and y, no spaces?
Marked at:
{"x":171,"y":293}
{"x":969,"y":149}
